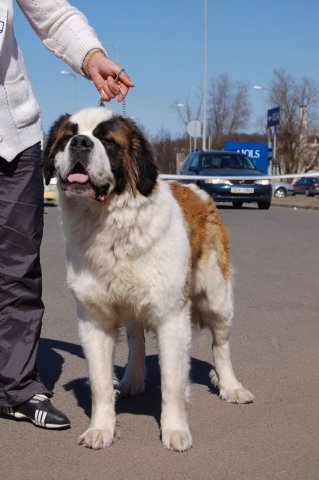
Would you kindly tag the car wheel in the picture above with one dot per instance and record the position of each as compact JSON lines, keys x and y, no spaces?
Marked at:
{"x":280,"y":193}
{"x":237,"y":204}
{"x":264,"y":205}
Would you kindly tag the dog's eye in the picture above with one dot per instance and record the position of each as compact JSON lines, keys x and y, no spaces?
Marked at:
{"x":63,"y":141}
{"x":108,"y":144}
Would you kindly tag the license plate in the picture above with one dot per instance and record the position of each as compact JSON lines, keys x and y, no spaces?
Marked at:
{"x":244,"y":190}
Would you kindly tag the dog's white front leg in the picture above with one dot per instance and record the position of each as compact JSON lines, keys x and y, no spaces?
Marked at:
{"x":98,"y":346}
{"x":174,"y":337}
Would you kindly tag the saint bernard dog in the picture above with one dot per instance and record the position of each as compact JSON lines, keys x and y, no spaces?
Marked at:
{"x":144,"y":253}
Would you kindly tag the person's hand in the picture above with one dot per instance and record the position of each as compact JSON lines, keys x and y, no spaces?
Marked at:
{"x":109,"y":78}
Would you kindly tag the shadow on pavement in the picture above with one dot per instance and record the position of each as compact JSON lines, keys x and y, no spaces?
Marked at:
{"x":50,"y":364}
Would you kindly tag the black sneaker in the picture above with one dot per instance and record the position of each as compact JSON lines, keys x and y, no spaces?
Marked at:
{"x":40,"y":411}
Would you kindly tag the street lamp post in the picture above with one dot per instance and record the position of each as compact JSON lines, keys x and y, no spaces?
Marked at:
{"x":205,"y":79}
{"x":71,"y":74}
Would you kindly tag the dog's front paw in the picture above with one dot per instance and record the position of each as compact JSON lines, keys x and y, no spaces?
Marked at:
{"x":178,"y":440}
{"x":96,"y":439}
{"x":236,"y":395}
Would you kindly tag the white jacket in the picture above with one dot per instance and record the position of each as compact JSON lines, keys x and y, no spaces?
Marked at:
{"x":65,"y":31}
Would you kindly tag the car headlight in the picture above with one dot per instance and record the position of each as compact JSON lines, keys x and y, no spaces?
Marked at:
{"x":263,"y":181}
{"x":216,"y":181}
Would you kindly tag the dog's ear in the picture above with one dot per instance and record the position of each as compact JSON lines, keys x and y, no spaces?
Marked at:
{"x":52,"y":146}
{"x":145,"y":163}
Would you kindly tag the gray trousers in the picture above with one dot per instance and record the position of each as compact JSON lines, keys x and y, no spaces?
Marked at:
{"x":21,"y":307}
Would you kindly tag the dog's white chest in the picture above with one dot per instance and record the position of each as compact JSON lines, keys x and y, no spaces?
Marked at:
{"x":111,"y":288}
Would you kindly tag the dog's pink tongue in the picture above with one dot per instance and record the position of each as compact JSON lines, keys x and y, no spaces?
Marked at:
{"x":78,"y":178}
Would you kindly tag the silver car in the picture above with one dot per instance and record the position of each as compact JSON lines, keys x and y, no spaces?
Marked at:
{"x":281,"y":189}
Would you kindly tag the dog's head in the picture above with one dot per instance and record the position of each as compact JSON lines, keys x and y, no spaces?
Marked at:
{"x":96,"y":152}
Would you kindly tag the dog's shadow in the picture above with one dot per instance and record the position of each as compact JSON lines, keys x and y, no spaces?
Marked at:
{"x":50,"y":364}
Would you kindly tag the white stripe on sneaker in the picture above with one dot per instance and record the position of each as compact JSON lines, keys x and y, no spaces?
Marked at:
{"x":37,"y":417}
{"x":43,"y":418}
{"x":40,"y":417}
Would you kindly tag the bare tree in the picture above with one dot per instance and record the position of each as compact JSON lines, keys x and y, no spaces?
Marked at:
{"x":298,"y":101}
{"x":166,"y":149}
{"x":228,"y":108}
{"x":186,"y":110}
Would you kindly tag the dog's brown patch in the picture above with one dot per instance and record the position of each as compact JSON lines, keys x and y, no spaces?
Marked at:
{"x":205,"y":228}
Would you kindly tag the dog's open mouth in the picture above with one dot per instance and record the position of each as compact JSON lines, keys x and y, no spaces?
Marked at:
{"x":78,"y":182}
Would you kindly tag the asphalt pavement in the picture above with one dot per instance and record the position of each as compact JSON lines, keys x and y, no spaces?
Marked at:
{"x":274,"y":352}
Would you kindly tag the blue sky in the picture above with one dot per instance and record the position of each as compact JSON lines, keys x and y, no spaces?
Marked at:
{"x":161,"y":46}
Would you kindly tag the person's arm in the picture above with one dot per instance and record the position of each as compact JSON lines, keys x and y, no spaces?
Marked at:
{"x":65,"y":31}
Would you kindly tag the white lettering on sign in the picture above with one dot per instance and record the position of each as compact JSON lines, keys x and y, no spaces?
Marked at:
{"x":251,"y":153}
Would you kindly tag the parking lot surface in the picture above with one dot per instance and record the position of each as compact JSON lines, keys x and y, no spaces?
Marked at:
{"x":274,"y":352}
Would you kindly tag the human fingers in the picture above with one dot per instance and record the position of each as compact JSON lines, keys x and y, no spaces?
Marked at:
{"x":109,"y":88}
{"x":106,"y":68}
{"x":117,"y":88}
{"x":122,"y":76}
{"x":119,"y":85}
{"x":106,"y":94}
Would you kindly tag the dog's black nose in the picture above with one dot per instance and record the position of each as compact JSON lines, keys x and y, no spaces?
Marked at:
{"x":81,"y":142}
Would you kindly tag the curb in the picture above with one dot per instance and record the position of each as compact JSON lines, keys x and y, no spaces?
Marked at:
{"x":295,"y":206}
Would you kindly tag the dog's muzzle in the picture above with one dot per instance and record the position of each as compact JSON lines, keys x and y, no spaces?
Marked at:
{"x":78,"y":180}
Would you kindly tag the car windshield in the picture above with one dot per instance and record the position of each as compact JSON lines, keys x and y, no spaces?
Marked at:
{"x":240,"y":162}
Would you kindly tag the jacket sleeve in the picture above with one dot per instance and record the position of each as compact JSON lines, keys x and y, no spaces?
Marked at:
{"x":63,"y":29}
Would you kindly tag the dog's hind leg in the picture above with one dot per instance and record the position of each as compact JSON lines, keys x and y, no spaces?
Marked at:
{"x":133,"y":381}
{"x":98,"y":345}
{"x":217,"y":314}
{"x":174,"y":337}
{"x":222,"y":375}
